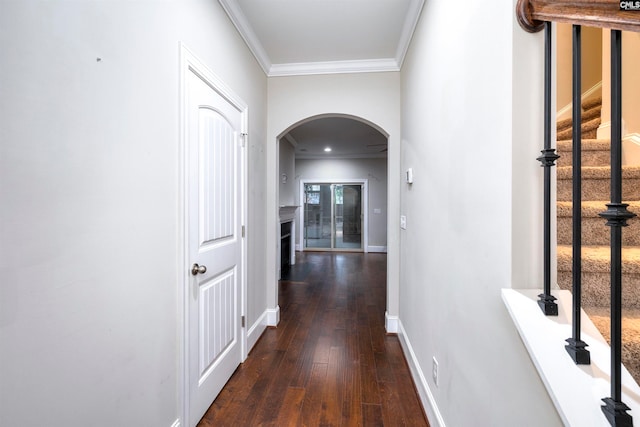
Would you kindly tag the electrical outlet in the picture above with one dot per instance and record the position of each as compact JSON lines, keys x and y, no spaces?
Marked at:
{"x":434,"y":371}
{"x":403,"y":222}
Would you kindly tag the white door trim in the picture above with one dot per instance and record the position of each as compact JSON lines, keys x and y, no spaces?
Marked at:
{"x":365,"y":206}
{"x":190,"y":63}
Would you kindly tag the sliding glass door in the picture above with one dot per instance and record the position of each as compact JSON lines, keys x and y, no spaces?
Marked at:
{"x":317,"y":216}
{"x":347,"y":216}
{"x":333,"y":216}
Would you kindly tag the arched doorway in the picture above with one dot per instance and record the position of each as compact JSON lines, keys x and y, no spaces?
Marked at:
{"x":371,"y":98}
{"x":358,"y":160}
{"x":333,"y":173}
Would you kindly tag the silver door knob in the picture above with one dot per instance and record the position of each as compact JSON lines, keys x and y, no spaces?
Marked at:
{"x":201,"y":269}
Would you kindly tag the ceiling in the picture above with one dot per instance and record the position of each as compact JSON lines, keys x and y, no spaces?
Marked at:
{"x":294,"y":37}
{"x":347,"y":138}
{"x":302,"y":37}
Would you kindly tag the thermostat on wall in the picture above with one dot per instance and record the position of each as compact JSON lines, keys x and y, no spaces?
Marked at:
{"x":409,"y":176}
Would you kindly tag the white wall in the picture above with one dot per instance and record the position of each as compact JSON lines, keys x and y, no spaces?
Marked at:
{"x":373,"y":170}
{"x":287,"y":166}
{"x":89,"y":302}
{"x":470,"y":131}
{"x":591,"y":62}
{"x":373,"y":97}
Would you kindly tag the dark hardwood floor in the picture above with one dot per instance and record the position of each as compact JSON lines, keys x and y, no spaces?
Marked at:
{"x":329,"y":362}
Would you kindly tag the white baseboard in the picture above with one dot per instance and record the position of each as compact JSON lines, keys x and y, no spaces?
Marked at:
{"x":604,"y":130}
{"x":631,"y":150}
{"x":382,"y":249}
{"x":256,"y":330}
{"x":176,"y":423}
{"x":426,"y":397}
{"x":390,"y":323}
{"x":273,"y":316}
{"x":566,"y":111}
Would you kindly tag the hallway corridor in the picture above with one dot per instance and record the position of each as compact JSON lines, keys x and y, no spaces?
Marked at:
{"x":329,"y":361}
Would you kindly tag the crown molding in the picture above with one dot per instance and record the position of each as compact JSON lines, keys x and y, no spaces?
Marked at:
{"x":239,"y":20}
{"x":334,"y":67}
{"x":410,"y":24}
{"x":246,"y":31}
{"x":306,"y":156}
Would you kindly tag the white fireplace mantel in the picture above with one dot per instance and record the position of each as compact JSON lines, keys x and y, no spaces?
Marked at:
{"x":287,"y":213}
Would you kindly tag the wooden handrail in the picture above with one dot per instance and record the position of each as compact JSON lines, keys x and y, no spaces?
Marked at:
{"x":532,"y":14}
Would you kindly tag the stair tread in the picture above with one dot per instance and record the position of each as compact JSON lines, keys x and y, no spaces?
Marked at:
{"x":592,"y":103}
{"x":630,"y":327}
{"x":591,"y":208}
{"x":596,"y":258}
{"x":589,"y":125}
{"x":630,"y":334}
{"x":566,"y":145}
{"x":633,"y":314}
{"x":587,"y":115}
{"x":598,"y":172}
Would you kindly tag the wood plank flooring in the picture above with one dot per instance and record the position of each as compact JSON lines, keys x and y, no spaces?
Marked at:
{"x":329,"y":362}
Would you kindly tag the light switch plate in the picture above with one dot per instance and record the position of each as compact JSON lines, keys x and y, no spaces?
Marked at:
{"x":409,"y":176}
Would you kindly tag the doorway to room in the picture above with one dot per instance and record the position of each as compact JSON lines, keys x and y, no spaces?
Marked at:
{"x":332,"y":215}
{"x":335,"y":149}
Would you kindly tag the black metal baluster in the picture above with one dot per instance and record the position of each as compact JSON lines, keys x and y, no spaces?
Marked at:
{"x":576,"y":347}
{"x":616,"y":215}
{"x":546,"y":300}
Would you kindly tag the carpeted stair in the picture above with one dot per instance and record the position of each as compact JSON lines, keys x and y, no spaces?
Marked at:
{"x":590,"y":121}
{"x":596,"y":235}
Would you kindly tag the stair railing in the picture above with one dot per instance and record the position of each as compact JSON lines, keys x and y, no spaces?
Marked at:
{"x":576,"y":347}
{"x":533,"y":16}
{"x":548,"y":158}
{"x":616,"y":216}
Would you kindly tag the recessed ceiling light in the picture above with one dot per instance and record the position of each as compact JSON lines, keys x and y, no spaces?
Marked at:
{"x":327,"y":149}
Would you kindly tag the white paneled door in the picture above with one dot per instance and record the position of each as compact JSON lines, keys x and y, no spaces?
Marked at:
{"x":214,"y":162}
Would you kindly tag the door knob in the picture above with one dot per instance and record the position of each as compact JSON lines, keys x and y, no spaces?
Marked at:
{"x":198,"y":269}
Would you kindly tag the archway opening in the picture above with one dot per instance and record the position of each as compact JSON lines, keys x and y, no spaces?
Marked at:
{"x":332,"y":187}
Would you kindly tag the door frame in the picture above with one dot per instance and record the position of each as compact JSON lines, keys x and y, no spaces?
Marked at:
{"x":190,"y":63}
{"x":365,"y":210}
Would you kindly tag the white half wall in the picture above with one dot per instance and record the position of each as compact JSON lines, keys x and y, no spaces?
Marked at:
{"x":471,"y":211}
{"x":371,"y":97}
{"x":90,"y":310}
